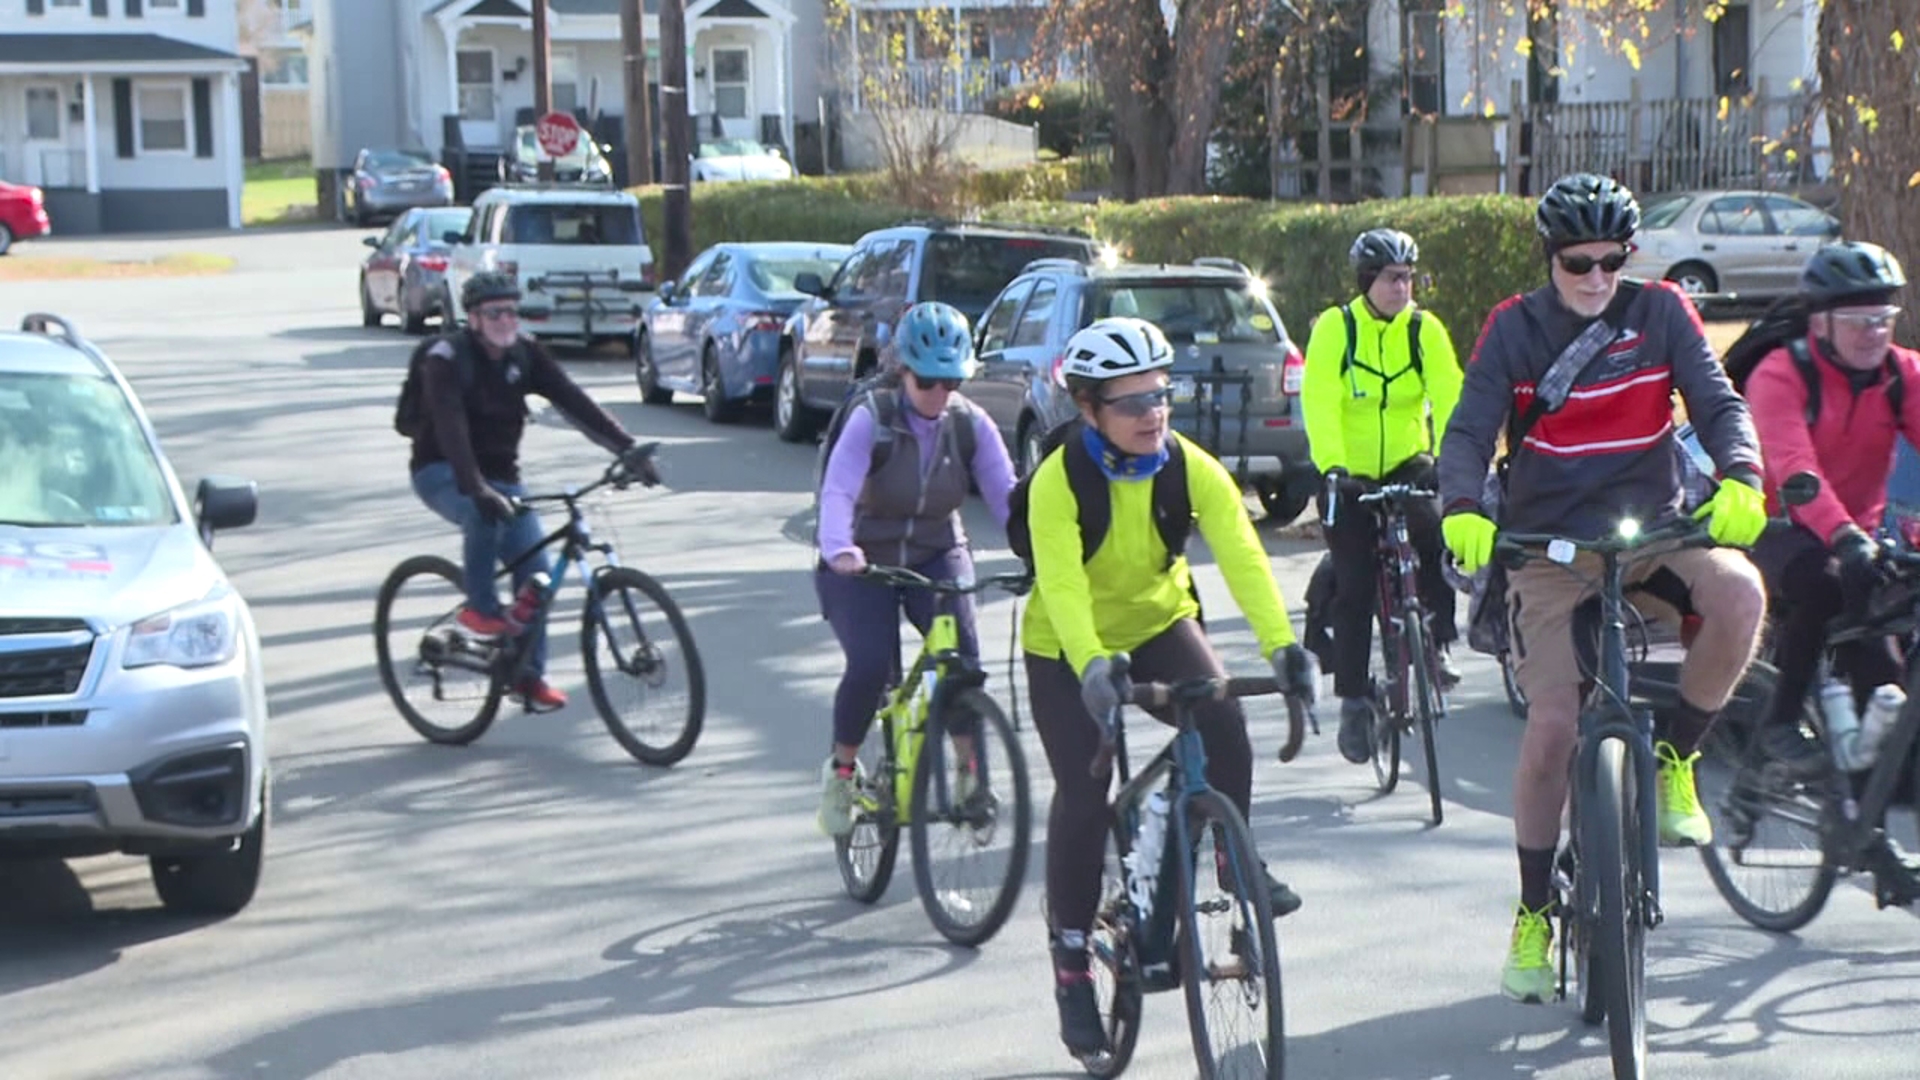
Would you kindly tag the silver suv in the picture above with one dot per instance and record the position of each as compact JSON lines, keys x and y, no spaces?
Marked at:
{"x":133,"y":710}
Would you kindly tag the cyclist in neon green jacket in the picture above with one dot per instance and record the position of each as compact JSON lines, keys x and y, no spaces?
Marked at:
{"x":1381,"y":381}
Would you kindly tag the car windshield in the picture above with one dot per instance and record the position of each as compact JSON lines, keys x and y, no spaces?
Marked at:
{"x":1203,"y":313}
{"x":75,"y":455}
{"x":775,"y":276}
{"x":732,"y":148}
{"x":575,"y":223}
{"x":1661,"y":213}
{"x":382,"y":160}
{"x":968,"y":271}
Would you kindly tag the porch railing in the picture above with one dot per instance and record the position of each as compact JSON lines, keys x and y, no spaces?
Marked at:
{"x":966,"y":87}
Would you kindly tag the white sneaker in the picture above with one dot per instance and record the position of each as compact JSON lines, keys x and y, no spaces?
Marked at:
{"x":836,"y":799}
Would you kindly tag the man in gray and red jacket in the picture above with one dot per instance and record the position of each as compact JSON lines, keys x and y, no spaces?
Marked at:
{"x":1606,"y":452}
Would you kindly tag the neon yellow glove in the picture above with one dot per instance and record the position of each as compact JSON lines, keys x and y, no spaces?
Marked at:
{"x":1737,"y":513}
{"x":1470,"y":538}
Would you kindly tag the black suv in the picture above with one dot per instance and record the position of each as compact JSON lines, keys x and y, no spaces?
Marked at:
{"x":836,"y":337}
{"x":1236,"y":375}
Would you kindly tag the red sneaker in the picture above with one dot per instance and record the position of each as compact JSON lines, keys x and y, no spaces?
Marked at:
{"x":540,"y":695}
{"x":473,"y":622}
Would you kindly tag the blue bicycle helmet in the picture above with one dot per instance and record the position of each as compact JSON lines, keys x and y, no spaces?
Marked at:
{"x":935,"y":341}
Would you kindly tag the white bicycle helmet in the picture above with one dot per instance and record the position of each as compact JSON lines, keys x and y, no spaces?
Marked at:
{"x":1114,"y":347}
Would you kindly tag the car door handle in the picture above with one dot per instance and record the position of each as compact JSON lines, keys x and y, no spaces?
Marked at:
{"x":1706,"y":247}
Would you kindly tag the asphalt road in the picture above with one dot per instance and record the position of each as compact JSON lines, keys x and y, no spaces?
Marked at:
{"x":537,"y":905}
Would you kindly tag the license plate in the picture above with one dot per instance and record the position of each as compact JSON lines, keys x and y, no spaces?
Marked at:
{"x":1182,"y":386}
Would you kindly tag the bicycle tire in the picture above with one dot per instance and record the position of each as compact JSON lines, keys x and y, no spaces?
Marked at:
{"x":1427,"y":704}
{"x":1613,"y":849}
{"x":933,"y":751}
{"x":1516,"y":698}
{"x":652,"y":752}
{"x":880,"y":824}
{"x":1111,"y":951}
{"x":1721,"y":858}
{"x":1250,"y":888}
{"x":461,"y":735}
{"x":1384,"y":740}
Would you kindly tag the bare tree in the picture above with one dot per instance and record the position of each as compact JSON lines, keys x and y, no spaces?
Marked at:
{"x":259,"y":23}
{"x":903,"y":92}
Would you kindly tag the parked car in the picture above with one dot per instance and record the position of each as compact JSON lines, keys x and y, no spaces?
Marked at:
{"x":838,"y":335}
{"x":579,"y":253}
{"x":716,"y":331}
{"x":405,"y":271}
{"x":1745,"y":245}
{"x":586,"y":165}
{"x":385,"y":182}
{"x":1236,"y":376}
{"x":23,"y":214}
{"x":739,"y":159}
{"x":133,"y":707}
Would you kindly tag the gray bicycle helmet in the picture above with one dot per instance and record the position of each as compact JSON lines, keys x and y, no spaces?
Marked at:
{"x":1377,"y":249}
{"x":1583,"y":208}
{"x":1849,"y":273}
{"x":488,"y":285}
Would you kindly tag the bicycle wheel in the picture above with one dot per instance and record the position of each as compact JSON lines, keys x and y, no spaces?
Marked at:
{"x":1115,"y":968}
{"x":866,"y":854}
{"x":1386,"y":719}
{"x":439,"y":677}
{"x":980,"y":811}
{"x":1230,"y":958}
{"x":643,"y":650}
{"x":1516,"y":698}
{"x":1427,"y":707}
{"x":1613,"y":868}
{"x":1768,"y":857}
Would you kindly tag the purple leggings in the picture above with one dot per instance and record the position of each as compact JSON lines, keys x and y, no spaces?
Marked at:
{"x":865,"y":616}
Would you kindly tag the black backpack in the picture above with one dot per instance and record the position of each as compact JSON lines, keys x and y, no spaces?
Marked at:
{"x":1784,"y":324}
{"x":410,"y":413}
{"x":1172,"y":505}
{"x":1413,"y":343}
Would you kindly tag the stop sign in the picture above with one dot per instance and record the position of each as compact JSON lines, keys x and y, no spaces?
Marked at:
{"x":558,"y":134}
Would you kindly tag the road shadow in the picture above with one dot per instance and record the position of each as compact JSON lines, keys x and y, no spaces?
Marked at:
{"x":50,"y":930}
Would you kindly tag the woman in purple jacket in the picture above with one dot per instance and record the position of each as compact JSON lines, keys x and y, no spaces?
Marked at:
{"x":891,"y":495}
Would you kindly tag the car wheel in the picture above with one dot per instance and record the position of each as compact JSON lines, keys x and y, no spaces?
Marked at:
{"x":713,"y":390}
{"x":1694,"y":278}
{"x":1282,"y":501}
{"x":6,"y":239}
{"x":369,"y":315}
{"x":216,"y":882}
{"x":412,"y":319}
{"x":792,"y":420}
{"x":1031,"y":440}
{"x":448,"y":321}
{"x":651,"y":392}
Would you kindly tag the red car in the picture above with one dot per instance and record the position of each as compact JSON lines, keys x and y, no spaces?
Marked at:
{"x":23,"y":214}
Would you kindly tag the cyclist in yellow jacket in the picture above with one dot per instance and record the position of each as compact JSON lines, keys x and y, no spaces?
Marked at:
{"x":1381,"y":381}
{"x":1133,"y":595}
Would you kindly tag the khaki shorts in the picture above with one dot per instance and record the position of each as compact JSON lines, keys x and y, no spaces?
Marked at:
{"x":1542,"y":597}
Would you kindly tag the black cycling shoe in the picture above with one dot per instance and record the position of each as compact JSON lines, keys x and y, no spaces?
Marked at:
{"x":1080,"y":1026}
{"x":1356,"y":730}
{"x":1449,"y":673}
{"x":1788,"y":746}
{"x":1285,"y":901}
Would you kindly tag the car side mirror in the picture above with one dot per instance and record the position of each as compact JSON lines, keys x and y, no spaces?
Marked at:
{"x":370,"y":241}
{"x":1800,"y":489}
{"x":225,"y":502}
{"x":667,"y":290}
{"x":809,"y":282}
{"x":1833,"y":228}
{"x":454,"y":237}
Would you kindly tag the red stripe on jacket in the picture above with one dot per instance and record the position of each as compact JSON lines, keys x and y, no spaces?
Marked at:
{"x":1628,"y":413}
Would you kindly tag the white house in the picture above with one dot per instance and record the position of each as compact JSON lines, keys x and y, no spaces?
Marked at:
{"x":126,"y":113}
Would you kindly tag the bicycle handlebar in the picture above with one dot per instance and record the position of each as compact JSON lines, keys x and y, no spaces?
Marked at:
{"x":1396,"y":493}
{"x":1516,"y":548}
{"x":1016,"y":583}
{"x":621,"y":473}
{"x":1184,"y":692}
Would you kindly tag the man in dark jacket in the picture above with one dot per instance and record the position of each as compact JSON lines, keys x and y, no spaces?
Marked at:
{"x":1603,"y":450}
{"x":466,"y":457}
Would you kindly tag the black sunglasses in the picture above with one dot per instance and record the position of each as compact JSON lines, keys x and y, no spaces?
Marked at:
{"x":1140,"y":404}
{"x":1582,"y":265}
{"x":925,"y":383}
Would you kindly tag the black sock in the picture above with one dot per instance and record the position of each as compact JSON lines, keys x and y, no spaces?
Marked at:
{"x":1687,"y":725}
{"x":1536,"y":877}
{"x":1070,"y":957}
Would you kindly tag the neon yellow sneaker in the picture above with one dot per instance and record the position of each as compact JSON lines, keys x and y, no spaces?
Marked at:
{"x":1682,"y":821}
{"x":1528,"y":976}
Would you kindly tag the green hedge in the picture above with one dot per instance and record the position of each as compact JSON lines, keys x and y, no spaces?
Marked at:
{"x":1476,"y":249}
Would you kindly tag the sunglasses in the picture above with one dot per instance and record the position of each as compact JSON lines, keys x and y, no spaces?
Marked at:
{"x":1397,"y":277}
{"x":496,"y":314}
{"x":1582,"y":265}
{"x":1142,"y":404}
{"x":925,"y":383}
{"x":1867,"y":320}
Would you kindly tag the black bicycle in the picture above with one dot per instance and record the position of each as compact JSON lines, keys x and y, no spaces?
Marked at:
{"x":1184,"y":898}
{"x":430,"y":664}
{"x":1784,"y":835}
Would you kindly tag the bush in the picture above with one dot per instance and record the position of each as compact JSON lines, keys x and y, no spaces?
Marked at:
{"x":1066,"y":113}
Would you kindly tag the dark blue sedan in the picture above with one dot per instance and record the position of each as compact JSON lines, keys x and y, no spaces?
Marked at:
{"x":716,"y":331}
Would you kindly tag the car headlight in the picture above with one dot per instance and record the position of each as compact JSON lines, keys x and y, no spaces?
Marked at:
{"x":197,"y":634}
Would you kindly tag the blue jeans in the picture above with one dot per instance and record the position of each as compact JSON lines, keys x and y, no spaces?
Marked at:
{"x":487,"y":544}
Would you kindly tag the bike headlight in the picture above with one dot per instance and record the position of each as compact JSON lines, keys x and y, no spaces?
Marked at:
{"x":197,"y":634}
{"x":1629,"y":528}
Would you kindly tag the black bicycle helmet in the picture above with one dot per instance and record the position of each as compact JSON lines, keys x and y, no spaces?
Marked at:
{"x":488,"y":285}
{"x":1377,"y":249}
{"x":1850,"y":273}
{"x":1584,"y":208}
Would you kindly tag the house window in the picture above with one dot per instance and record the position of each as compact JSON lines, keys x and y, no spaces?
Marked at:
{"x":1732,"y":51}
{"x":563,"y":74}
{"x":284,"y":69}
{"x":43,"y":112}
{"x":980,"y":42}
{"x":1426,"y":65}
{"x":161,"y":119}
{"x":474,"y":72}
{"x":730,"y":83}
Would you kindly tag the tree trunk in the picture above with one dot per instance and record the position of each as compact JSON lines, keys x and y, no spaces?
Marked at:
{"x":1135,"y":59}
{"x":1206,"y":39}
{"x":1867,"y":88}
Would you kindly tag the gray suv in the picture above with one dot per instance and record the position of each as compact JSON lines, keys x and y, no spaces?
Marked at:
{"x":133,"y":709}
{"x":1236,"y":375}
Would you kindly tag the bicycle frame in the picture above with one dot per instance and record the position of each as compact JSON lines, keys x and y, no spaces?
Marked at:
{"x":1398,"y":579}
{"x":1182,"y":766}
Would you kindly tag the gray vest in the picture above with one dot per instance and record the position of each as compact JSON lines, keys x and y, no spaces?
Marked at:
{"x":904,"y":518}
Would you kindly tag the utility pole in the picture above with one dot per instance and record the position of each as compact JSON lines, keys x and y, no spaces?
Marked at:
{"x":542,"y":80}
{"x":633,"y":45}
{"x":676,"y":119}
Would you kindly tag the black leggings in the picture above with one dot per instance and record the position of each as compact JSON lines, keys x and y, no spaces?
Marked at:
{"x":1804,"y":579}
{"x":1077,"y":825}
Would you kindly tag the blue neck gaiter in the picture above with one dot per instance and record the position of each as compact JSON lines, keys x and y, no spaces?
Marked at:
{"x":1117,"y":464}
